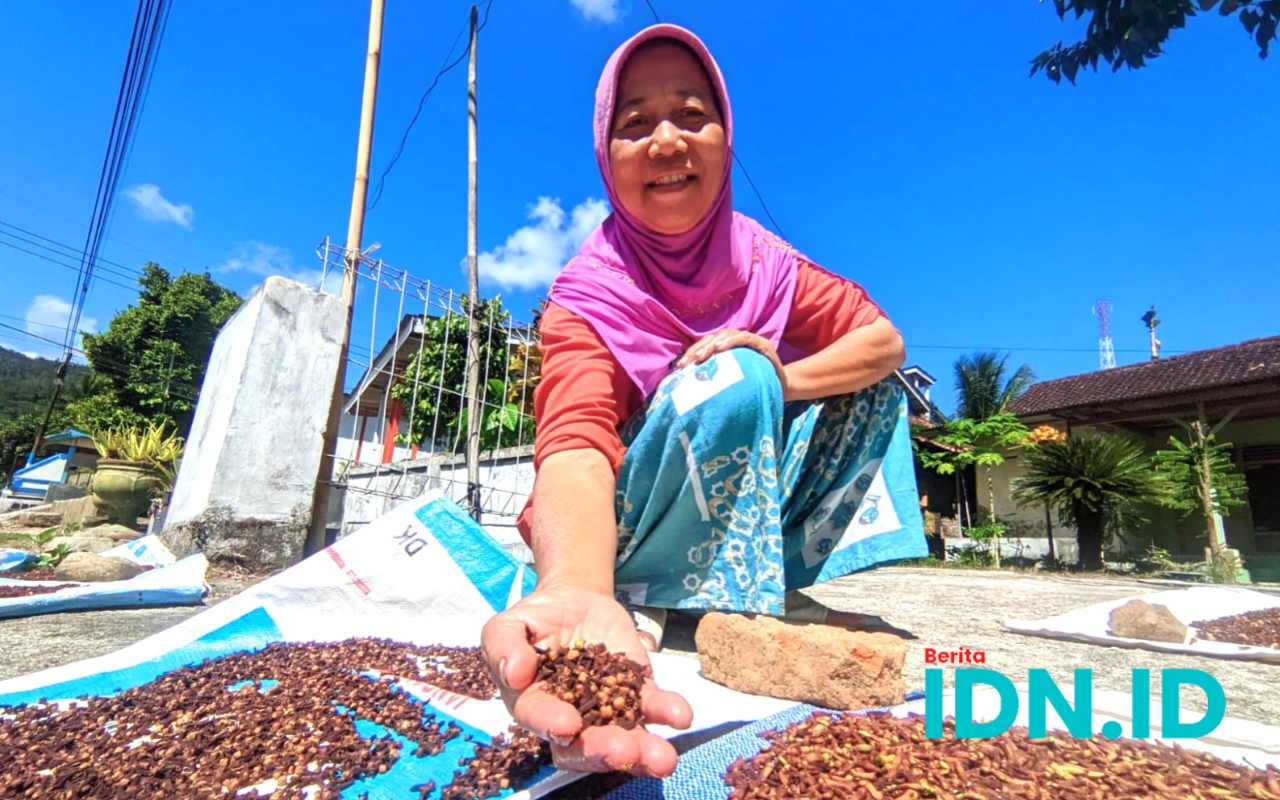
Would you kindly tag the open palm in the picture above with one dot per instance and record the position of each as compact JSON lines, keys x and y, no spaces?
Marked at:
{"x":558,"y":616}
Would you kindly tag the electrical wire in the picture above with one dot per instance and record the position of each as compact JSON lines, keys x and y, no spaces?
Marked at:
{"x":404,"y":139}
{"x":184,"y":391}
{"x":150,"y":22}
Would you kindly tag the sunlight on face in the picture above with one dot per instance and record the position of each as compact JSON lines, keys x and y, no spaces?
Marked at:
{"x":667,"y":148}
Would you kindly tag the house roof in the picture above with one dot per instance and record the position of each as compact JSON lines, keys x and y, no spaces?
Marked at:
{"x":1174,"y":379}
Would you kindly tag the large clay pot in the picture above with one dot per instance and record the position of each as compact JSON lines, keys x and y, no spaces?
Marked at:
{"x":122,"y":490}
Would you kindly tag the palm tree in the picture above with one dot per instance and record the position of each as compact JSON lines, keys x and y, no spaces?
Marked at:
{"x":1090,"y":481}
{"x":981,"y":390}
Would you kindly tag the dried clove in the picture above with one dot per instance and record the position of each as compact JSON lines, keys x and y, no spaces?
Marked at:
{"x":879,"y":756}
{"x":605,"y":687}
{"x":10,"y":591}
{"x":285,"y":713}
{"x":1255,"y":628}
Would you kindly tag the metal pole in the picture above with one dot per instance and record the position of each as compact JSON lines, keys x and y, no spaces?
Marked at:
{"x":473,"y":288}
{"x":355,"y":231}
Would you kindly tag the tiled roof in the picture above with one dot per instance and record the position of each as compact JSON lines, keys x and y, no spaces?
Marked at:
{"x":1249,"y":362}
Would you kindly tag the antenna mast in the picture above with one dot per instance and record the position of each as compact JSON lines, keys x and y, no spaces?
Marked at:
{"x":1149,"y":319}
{"x":1106,"y":349}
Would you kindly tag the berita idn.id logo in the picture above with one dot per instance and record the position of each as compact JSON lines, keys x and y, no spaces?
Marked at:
{"x":1078,"y":717}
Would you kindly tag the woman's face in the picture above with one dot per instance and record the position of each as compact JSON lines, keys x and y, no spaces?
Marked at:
{"x":667,"y":146}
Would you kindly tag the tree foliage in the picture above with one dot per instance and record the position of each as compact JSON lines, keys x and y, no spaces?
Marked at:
{"x":1202,"y":477}
{"x":977,"y":443}
{"x":1129,"y":33}
{"x":981,"y":389}
{"x":1090,"y":481}
{"x":154,"y":353}
{"x":26,"y":383}
{"x":433,"y":384}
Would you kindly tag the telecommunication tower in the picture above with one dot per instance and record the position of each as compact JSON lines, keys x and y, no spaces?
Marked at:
{"x":1106,"y":350}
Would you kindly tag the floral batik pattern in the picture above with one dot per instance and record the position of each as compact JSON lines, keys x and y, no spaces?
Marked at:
{"x":728,"y":498}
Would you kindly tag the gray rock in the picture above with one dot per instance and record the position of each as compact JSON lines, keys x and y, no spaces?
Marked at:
{"x":93,"y":568}
{"x":1137,"y":619}
{"x":81,"y":544}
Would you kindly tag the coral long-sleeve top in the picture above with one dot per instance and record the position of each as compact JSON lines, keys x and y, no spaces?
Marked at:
{"x":585,"y":395}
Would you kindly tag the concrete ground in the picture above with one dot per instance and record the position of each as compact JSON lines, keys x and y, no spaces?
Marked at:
{"x":946,"y":609}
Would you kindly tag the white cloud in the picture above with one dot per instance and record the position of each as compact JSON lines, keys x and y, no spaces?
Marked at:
{"x":153,"y":206}
{"x":47,"y":317}
{"x":262,"y":259}
{"x":534,"y":254}
{"x":604,"y":10}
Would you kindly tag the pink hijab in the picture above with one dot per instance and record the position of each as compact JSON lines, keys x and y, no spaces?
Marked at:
{"x":650,"y":296}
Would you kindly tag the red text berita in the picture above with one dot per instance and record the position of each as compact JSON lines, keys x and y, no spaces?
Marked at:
{"x":962,"y":656}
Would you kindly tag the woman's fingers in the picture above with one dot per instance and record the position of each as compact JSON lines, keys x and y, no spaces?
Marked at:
{"x":662,"y":707}
{"x":610,"y":748}
{"x":549,"y":717}
{"x":512,"y":662}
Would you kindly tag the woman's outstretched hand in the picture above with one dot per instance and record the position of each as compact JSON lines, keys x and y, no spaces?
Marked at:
{"x":560,"y":615}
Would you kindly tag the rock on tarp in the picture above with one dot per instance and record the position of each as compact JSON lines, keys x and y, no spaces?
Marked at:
{"x":1196,"y":604}
{"x":424,"y":573}
{"x":168,"y":583}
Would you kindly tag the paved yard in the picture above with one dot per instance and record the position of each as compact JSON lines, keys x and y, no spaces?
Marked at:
{"x":941,"y":608}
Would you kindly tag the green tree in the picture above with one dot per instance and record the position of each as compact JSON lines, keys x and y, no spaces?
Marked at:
{"x":1128,"y":33}
{"x":431,"y":388}
{"x":981,"y":389}
{"x":154,"y":353}
{"x":1202,"y":476}
{"x":1091,"y":482}
{"x":978,"y":443}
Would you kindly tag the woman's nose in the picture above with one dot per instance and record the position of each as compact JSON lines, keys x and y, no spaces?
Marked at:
{"x":667,"y":140}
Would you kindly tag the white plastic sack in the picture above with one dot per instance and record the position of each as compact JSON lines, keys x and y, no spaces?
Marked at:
{"x":1196,"y":604}
{"x":148,"y":551}
{"x":424,"y":573}
{"x":181,"y":583}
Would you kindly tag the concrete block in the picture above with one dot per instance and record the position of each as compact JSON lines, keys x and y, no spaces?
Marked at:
{"x":246,"y":484}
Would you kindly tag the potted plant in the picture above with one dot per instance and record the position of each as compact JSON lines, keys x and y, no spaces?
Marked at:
{"x":136,"y":465}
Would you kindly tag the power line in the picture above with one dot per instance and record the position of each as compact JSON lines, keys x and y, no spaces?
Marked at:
{"x":63,"y":250}
{"x":382,"y":179}
{"x":1026,"y":349}
{"x":736,"y":159}
{"x":108,"y":367}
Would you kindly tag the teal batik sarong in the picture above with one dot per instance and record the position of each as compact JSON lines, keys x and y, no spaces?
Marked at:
{"x":728,"y":498}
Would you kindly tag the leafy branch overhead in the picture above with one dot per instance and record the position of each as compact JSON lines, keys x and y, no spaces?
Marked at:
{"x":1129,"y":33}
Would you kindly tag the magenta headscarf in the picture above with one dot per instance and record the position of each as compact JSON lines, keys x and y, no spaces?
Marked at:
{"x":650,"y":296}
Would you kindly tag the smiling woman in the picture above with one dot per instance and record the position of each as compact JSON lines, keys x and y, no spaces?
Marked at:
{"x":715,"y":427}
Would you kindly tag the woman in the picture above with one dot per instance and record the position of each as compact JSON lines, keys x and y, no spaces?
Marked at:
{"x":715,"y":429}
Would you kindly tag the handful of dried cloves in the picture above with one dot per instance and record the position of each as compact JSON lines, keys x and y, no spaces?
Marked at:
{"x":604,"y":687}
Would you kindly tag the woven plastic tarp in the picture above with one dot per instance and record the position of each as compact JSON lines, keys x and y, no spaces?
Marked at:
{"x":425,"y":573}
{"x":1197,"y":604}
{"x":168,"y":583}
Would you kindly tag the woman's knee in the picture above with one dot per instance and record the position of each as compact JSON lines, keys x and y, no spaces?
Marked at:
{"x":756,"y":367}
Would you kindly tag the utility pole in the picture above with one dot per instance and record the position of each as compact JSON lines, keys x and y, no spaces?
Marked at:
{"x":473,"y":285}
{"x":355,"y":232}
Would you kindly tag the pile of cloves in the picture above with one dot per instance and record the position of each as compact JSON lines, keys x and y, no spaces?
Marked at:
{"x":506,"y":764}
{"x":605,"y":687}
{"x":10,"y":591}
{"x":282,"y":717}
{"x":1256,"y":628}
{"x":882,"y":757}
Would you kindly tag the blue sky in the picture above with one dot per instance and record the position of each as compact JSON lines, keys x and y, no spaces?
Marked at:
{"x":902,"y":145}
